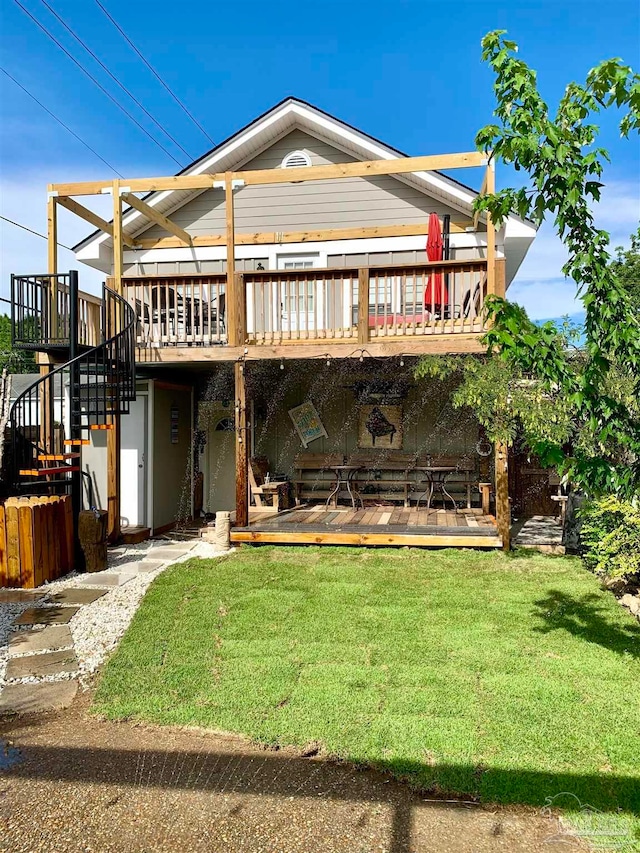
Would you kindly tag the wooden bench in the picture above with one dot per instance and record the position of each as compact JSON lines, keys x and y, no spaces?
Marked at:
{"x":383,"y":475}
{"x":314,"y":475}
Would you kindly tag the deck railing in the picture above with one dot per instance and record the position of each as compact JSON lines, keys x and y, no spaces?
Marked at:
{"x":357,"y":304}
{"x":41,"y":311}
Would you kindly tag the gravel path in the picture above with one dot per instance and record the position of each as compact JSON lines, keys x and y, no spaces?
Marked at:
{"x":97,"y":627}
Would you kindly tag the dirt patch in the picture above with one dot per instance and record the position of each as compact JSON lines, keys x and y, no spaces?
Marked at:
{"x":78,"y":783}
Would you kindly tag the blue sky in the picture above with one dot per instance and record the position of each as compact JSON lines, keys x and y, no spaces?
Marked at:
{"x":408,"y":73}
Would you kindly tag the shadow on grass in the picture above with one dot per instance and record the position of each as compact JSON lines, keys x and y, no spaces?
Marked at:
{"x":586,"y":617}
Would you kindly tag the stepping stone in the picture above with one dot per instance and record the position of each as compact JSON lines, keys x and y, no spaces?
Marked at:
{"x":40,"y":639}
{"x":37,"y":666}
{"x":19,"y":596}
{"x":109,"y":579}
{"x":76,"y":595}
{"x":168,"y":553}
{"x":149,"y":565}
{"x":31,"y":698}
{"x":46,"y":616}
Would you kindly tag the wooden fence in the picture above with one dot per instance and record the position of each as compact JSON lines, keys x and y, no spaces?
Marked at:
{"x":36,"y":540}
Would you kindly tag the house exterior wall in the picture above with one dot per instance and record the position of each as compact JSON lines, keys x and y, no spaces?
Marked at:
{"x":340,"y":203}
{"x":431,"y":425}
{"x":171,"y":460}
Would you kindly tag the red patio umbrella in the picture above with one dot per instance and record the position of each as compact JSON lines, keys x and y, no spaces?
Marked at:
{"x":436,"y":294}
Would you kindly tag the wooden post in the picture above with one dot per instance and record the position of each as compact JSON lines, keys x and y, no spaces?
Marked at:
{"x":491,"y":231}
{"x":363,"y":305}
{"x":240,"y":310}
{"x":503,"y":510}
{"x":117,"y":238}
{"x":242,"y":447}
{"x":230,"y":233}
{"x":113,"y":435}
{"x":501,"y":281}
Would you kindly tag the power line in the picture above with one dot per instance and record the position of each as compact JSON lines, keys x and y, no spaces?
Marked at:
{"x":31,"y":231}
{"x":97,"y":83}
{"x":114,"y":78}
{"x":60,"y":122}
{"x":155,"y":73}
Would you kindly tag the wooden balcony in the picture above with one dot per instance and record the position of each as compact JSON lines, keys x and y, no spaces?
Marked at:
{"x":350,"y":306}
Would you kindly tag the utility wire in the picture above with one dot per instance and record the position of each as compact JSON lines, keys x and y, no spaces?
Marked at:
{"x":60,"y":122}
{"x":31,"y":231}
{"x":114,"y":78}
{"x":97,"y":83}
{"x":155,"y":73}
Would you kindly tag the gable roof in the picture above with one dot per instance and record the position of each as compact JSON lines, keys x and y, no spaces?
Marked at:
{"x":244,"y":145}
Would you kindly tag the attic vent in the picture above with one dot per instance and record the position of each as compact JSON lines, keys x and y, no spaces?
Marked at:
{"x":296,"y":158}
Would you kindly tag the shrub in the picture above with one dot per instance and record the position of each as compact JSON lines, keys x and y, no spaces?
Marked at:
{"x":611,"y":537}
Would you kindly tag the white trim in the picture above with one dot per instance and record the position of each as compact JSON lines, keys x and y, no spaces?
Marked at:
{"x":151,"y":387}
{"x":272,"y":250}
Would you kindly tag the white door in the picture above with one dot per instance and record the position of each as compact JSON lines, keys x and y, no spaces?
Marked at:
{"x":301,"y":303}
{"x":133,"y":463}
{"x":220,"y":482}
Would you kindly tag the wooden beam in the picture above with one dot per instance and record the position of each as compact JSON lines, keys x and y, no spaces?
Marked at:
{"x":290,"y":536}
{"x":361,"y":169}
{"x":242,"y":446}
{"x":490,"y":179}
{"x":113,"y":478}
{"x":267,"y":238}
{"x":93,"y":219}
{"x":52,"y":235}
{"x":230,"y":239}
{"x":410,"y":345}
{"x":503,"y":510}
{"x":117,"y":238}
{"x":501,"y":277}
{"x":157,"y":217}
{"x":483,"y":190}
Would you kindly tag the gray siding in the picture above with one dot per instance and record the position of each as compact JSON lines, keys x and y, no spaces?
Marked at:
{"x":340,"y":203}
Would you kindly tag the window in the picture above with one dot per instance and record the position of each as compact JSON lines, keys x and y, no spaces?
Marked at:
{"x":295,"y":159}
{"x":298,"y":262}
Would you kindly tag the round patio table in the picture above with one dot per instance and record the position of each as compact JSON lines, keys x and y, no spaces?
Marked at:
{"x":435,"y":479}
{"x":345,"y":481}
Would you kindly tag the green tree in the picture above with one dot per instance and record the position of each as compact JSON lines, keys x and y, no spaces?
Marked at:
{"x":626,"y":268}
{"x":564,"y":166}
{"x":15,"y":361}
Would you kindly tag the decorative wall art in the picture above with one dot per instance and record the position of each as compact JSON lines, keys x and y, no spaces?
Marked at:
{"x":307,"y":423}
{"x":380,"y":427}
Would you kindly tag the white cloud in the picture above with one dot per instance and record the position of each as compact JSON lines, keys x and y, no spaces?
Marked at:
{"x":25,"y":201}
{"x":539,"y":285}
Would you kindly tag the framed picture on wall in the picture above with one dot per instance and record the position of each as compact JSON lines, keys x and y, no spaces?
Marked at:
{"x":380,"y":427}
{"x":307,"y":423}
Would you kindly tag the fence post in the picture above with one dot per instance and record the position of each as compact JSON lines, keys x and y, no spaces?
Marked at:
{"x":363,"y":305}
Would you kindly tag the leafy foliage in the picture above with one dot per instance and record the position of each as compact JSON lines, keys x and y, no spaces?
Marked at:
{"x":505,"y":401}
{"x":16,"y":361}
{"x":564,"y":166}
{"x":611,"y":536}
{"x":626,"y":268}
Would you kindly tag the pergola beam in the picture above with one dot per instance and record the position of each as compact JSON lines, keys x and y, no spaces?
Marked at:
{"x":360,"y":169}
{"x":281,"y":237}
{"x":157,"y":217}
{"x":93,"y":219}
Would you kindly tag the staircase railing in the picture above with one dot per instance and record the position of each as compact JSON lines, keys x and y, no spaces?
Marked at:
{"x":48,"y":419}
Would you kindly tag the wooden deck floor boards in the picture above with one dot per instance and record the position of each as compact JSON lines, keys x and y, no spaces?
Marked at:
{"x":372,"y":525}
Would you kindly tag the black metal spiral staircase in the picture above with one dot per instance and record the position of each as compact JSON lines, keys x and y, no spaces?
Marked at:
{"x":51,"y":420}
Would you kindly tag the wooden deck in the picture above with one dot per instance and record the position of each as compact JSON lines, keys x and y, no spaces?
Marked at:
{"x":379,"y":525}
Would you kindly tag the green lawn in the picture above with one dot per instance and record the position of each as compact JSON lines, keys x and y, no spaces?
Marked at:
{"x":513,"y":678}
